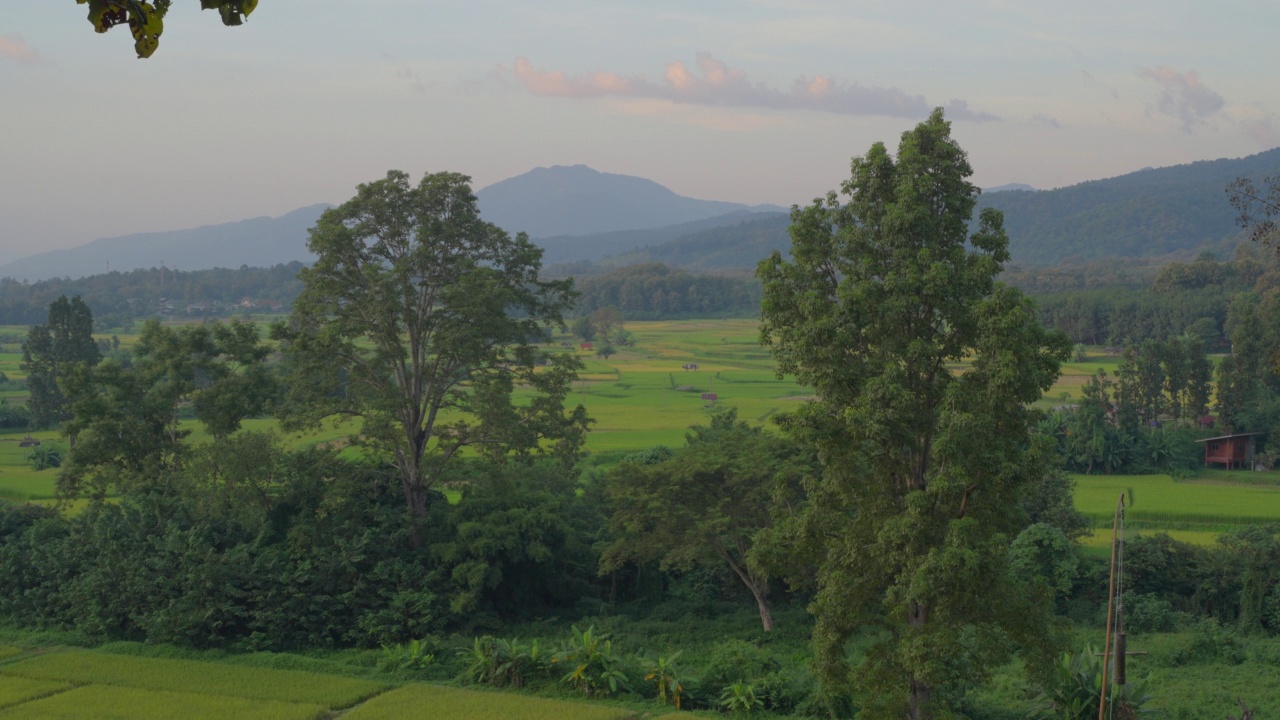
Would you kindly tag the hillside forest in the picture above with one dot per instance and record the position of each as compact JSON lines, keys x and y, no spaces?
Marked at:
{"x":905,"y":541}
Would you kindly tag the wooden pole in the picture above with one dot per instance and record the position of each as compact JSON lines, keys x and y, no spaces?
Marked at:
{"x":1111,"y":599}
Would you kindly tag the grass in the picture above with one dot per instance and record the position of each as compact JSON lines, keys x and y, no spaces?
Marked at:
{"x":427,"y":702}
{"x":1159,"y":500}
{"x":14,"y":690}
{"x":106,"y":702}
{"x":195,"y":676}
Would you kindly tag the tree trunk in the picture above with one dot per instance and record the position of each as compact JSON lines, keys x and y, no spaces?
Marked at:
{"x":921,"y":695}
{"x":766,"y":619}
{"x":415,"y":496}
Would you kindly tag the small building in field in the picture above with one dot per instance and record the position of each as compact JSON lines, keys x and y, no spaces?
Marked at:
{"x":1234,"y":451}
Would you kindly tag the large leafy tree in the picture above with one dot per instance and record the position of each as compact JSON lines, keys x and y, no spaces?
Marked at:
{"x":51,"y":352}
{"x":707,"y":502}
{"x":128,"y":418}
{"x":146,"y":19}
{"x":924,"y":466}
{"x":421,"y":319}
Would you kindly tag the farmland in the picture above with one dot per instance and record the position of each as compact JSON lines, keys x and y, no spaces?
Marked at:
{"x":640,"y":397}
{"x":645,"y":396}
{"x":72,"y":684}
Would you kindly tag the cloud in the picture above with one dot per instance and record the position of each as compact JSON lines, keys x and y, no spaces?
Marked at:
{"x":1184,"y":97}
{"x":1262,"y":127}
{"x":15,"y":48}
{"x":1049,"y":120}
{"x":712,"y":82}
{"x":1089,"y":79}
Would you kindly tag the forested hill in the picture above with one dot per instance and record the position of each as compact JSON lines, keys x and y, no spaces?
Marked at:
{"x":741,"y":245}
{"x":576,"y":248}
{"x":1164,"y":214}
{"x":1173,"y":211}
{"x":258,"y":242}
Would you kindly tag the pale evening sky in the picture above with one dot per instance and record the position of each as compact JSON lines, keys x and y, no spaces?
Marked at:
{"x":745,"y":100}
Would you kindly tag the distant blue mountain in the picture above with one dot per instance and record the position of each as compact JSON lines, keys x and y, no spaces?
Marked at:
{"x":260,"y":242}
{"x":576,"y":200}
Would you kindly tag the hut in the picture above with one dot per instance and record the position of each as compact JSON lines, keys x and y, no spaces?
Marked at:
{"x":1234,"y":451}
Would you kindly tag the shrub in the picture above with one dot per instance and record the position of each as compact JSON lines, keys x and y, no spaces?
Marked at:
{"x":740,"y":699}
{"x":412,"y":656}
{"x":43,"y":457}
{"x":666,"y":678}
{"x":594,"y":668}
{"x":1073,"y":689}
{"x":1147,"y":613}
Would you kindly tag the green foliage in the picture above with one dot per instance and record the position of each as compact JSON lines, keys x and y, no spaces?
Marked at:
{"x":421,"y":319}
{"x":53,"y":352}
{"x":653,"y":291}
{"x":593,"y":667}
{"x":667,"y":680}
{"x":146,"y":19}
{"x":518,"y":543}
{"x":44,"y":456}
{"x":1044,"y":551}
{"x":1258,"y":205}
{"x":126,"y":425}
{"x":740,"y":700}
{"x":504,"y":663}
{"x":1075,"y":687}
{"x":924,"y":468}
{"x":707,"y":502}
{"x":413,"y":656}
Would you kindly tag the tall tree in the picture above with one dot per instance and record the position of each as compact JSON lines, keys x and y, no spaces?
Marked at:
{"x":50,"y":353}
{"x":924,"y":468}
{"x":421,"y":319}
{"x":707,"y":502}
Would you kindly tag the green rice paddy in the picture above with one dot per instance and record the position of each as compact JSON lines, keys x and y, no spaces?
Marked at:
{"x":76,"y":684}
{"x":193,"y":676}
{"x":426,"y":702}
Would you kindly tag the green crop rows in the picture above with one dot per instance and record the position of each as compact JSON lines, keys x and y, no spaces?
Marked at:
{"x":424,"y":702}
{"x":14,"y":690}
{"x":106,"y":702}
{"x":193,"y":676}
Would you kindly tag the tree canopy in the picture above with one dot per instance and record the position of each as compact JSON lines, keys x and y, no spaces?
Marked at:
{"x":924,"y":468}
{"x":50,"y":353}
{"x":421,"y":319}
{"x":146,"y":19}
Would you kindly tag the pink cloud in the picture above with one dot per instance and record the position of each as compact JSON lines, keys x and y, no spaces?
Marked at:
{"x":712,"y":82}
{"x":1184,"y":96}
{"x":16,"y":48}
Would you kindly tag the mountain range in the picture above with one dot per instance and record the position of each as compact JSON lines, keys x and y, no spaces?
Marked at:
{"x":578,"y":214}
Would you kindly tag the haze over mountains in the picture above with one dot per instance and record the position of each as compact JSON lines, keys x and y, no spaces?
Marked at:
{"x":578,"y":214}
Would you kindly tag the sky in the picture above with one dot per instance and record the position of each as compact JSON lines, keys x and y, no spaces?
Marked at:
{"x":754,"y":101}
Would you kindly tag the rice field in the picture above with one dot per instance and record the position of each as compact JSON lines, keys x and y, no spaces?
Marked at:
{"x":76,"y":684}
{"x":107,"y":702}
{"x":154,"y":674}
{"x":426,"y":702}
{"x":14,"y":690}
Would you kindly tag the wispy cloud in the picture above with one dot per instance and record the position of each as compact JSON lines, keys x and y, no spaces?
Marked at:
{"x":709,"y":81}
{"x":15,"y":48}
{"x":1260,"y":126}
{"x":1048,"y":120}
{"x":1183,"y":97}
